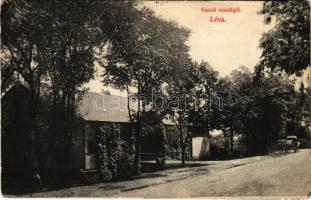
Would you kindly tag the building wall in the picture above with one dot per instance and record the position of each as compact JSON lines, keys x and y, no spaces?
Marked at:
{"x":75,"y":162}
{"x":78,"y":147}
{"x":200,"y":148}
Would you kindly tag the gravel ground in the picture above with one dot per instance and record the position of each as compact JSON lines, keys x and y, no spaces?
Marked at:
{"x":288,"y":175}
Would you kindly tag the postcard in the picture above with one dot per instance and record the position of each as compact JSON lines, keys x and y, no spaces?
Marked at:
{"x":156,"y":99}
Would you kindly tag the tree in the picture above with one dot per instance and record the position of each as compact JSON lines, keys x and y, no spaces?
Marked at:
{"x":50,"y":46}
{"x":287,"y":46}
{"x":273,"y":99}
{"x":257,"y":109}
{"x":235,"y":94}
{"x":141,"y":50}
{"x":298,"y":114}
{"x":69,"y":57}
{"x":189,"y":91}
{"x":20,"y":38}
{"x":225,"y":119}
{"x":180,"y":86}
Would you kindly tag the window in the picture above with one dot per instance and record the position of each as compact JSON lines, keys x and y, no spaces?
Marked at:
{"x":90,"y":147}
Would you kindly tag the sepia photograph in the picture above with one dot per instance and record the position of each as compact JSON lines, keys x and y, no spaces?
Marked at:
{"x":155,"y":99}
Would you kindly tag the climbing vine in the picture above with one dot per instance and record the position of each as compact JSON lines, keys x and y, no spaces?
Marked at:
{"x":115,"y":155}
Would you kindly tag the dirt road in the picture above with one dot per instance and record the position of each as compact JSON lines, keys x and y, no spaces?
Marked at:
{"x":286,"y":175}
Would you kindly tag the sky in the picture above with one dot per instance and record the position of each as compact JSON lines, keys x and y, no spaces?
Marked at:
{"x":225,"y":46}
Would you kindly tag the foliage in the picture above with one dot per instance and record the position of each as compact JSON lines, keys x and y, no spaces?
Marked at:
{"x":217,"y":148}
{"x":50,"y":46}
{"x":258,"y":109}
{"x":143,"y":50}
{"x":172,"y":143}
{"x":287,"y":46}
{"x":103,"y":159}
{"x":190,"y":90}
{"x":126,"y":159}
{"x":115,"y":155}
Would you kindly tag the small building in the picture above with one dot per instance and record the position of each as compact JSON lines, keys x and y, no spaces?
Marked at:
{"x":100,"y":111}
{"x":200,"y":147}
{"x":103,"y":117}
{"x":200,"y":144}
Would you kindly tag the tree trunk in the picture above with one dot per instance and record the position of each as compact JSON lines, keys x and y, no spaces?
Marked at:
{"x":137,"y":134}
{"x":183,"y":155}
{"x":34,"y":126}
{"x":182,"y":145}
{"x":137,"y":151}
{"x":137,"y":129}
{"x":226,"y":143}
{"x":231,"y":143}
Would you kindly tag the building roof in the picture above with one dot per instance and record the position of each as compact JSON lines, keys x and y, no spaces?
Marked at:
{"x":18,"y":84}
{"x":108,"y":108}
{"x":104,"y":108}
